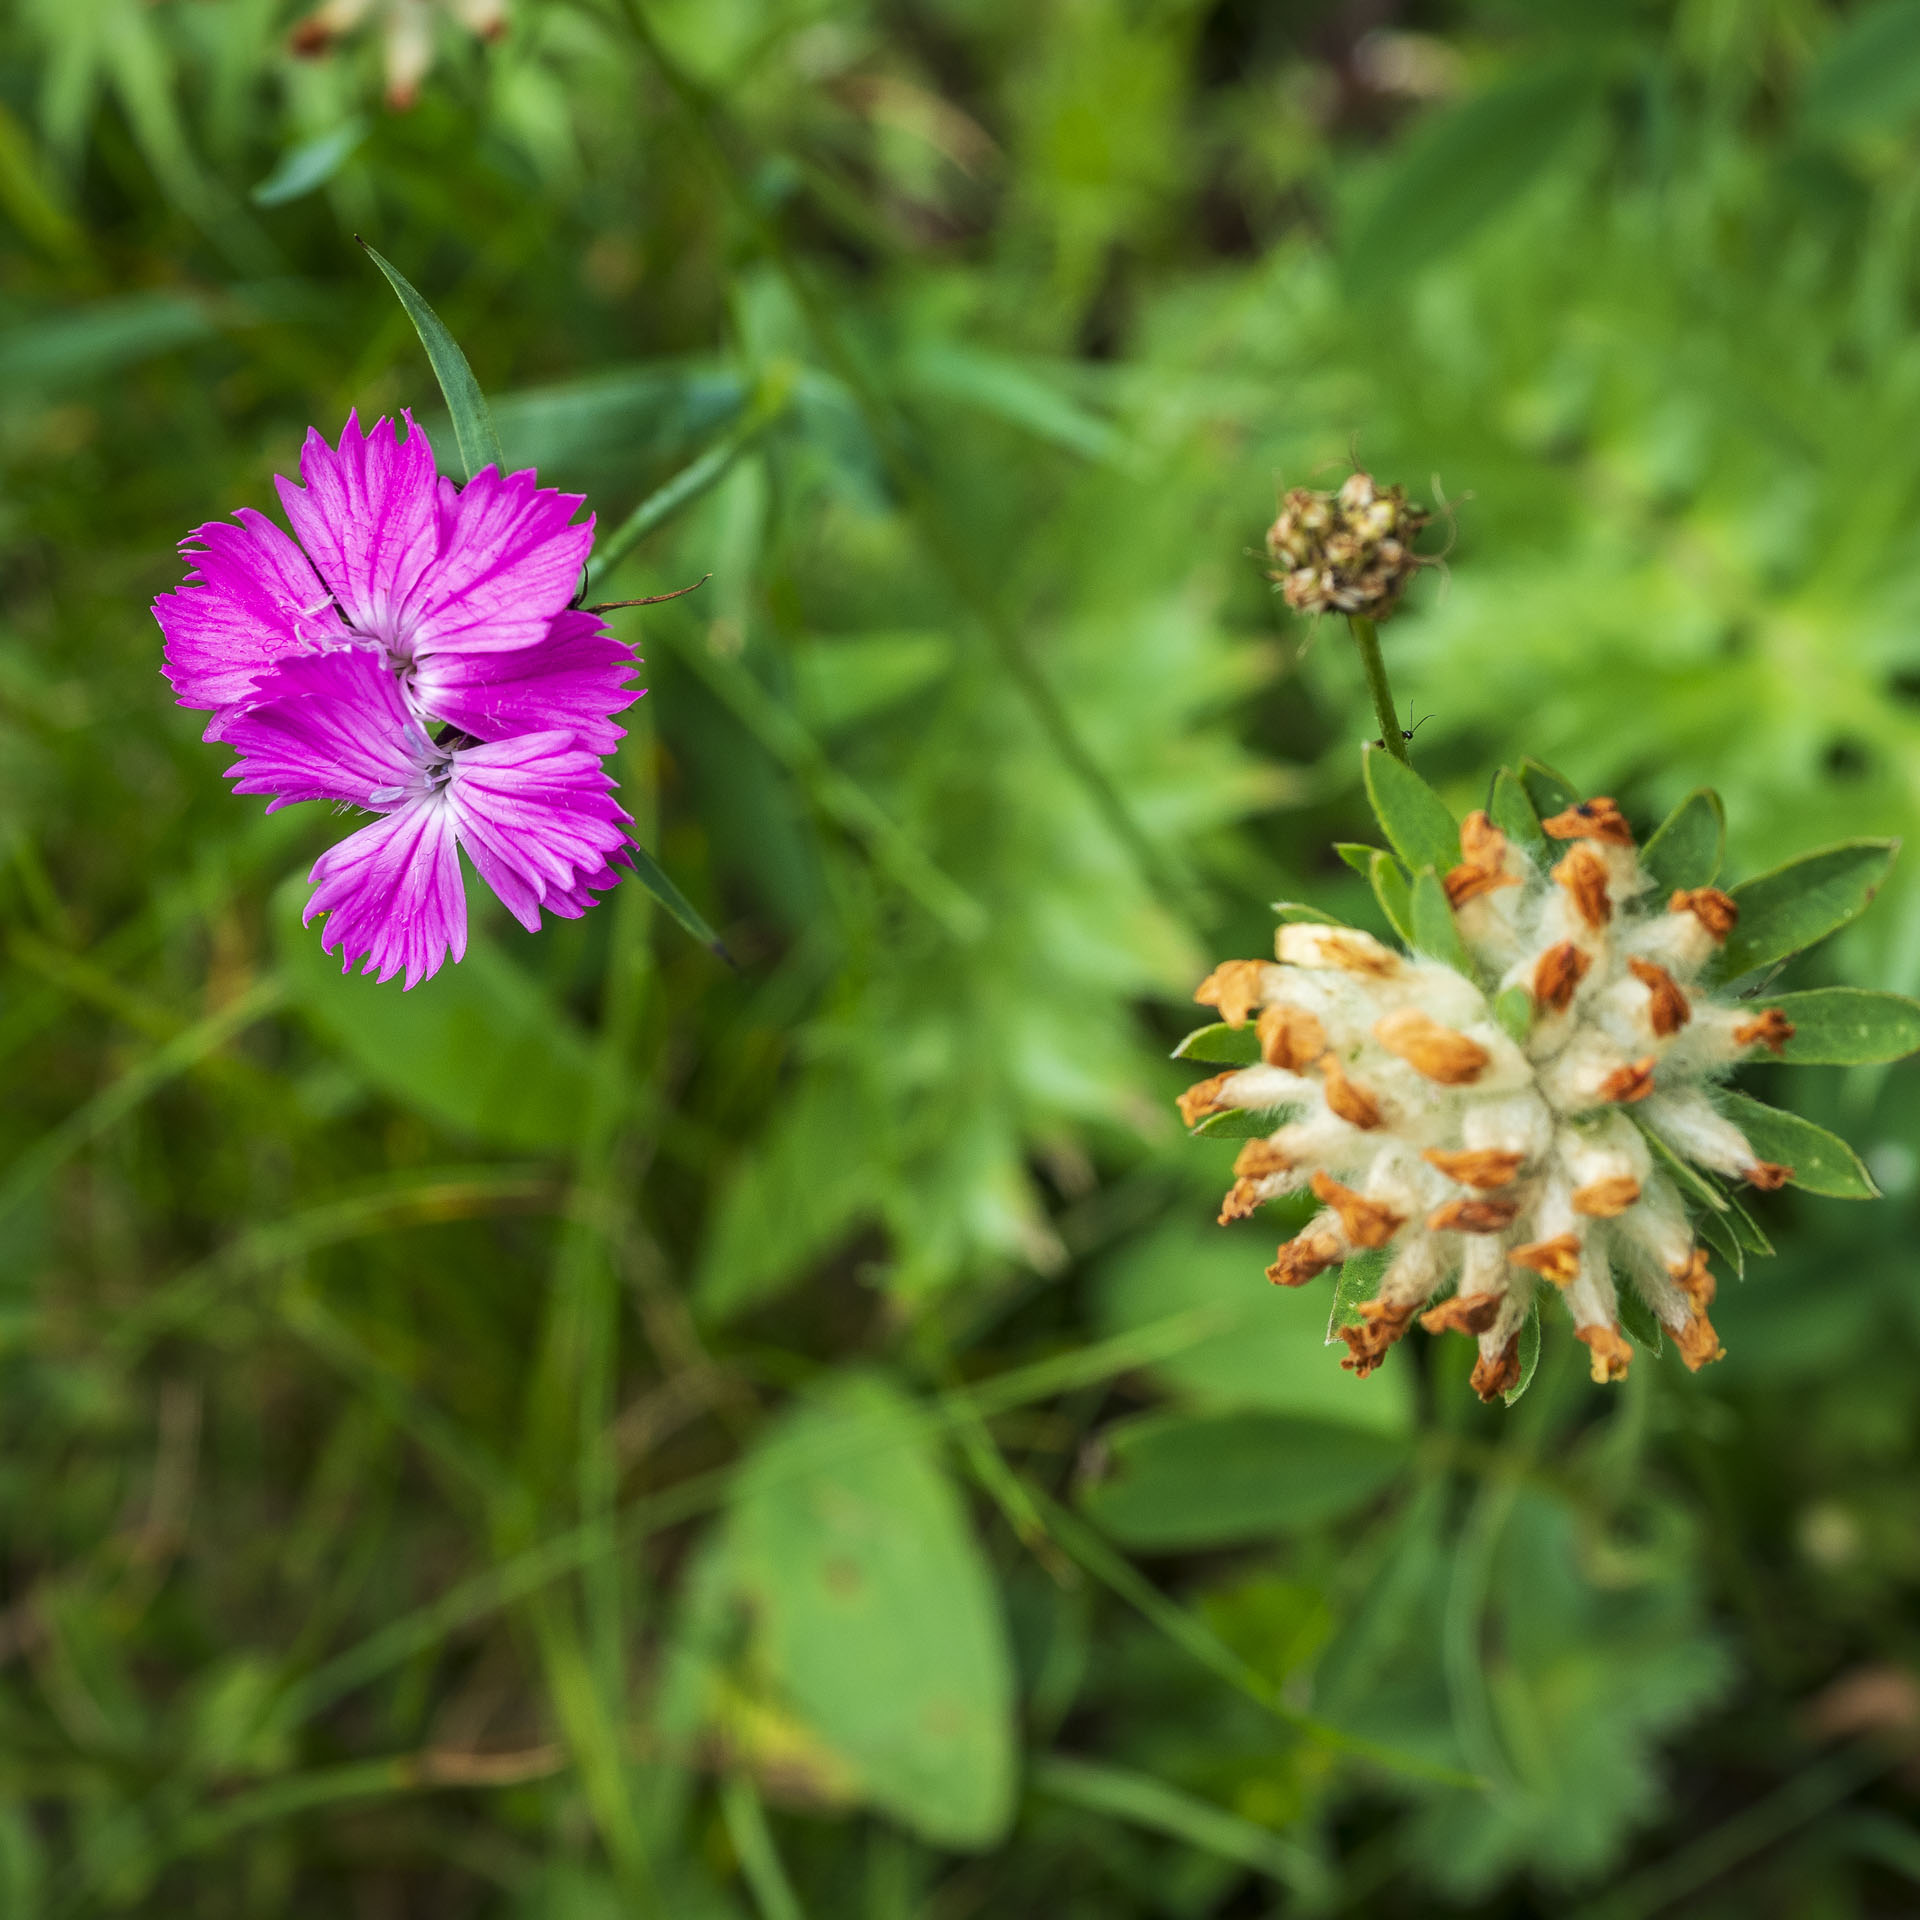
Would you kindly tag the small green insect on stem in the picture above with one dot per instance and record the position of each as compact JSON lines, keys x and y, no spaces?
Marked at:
{"x":1366,"y":636}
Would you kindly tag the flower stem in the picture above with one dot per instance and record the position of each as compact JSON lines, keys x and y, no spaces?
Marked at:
{"x":1366,"y":636}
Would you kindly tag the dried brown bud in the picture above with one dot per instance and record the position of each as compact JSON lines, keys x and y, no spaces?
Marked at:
{"x":1482,"y":868}
{"x":1306,"y":1256}
{"x":1430,"y":1049}
{"x":1772,"y":1030}
{"x":1473,"y":1315}
{"x":1765,"y":1175}
{"x":1556,"y":975}
{"x":1584,"y":875}
{"x":1607,"y":1199}
{"x":1367,"y":1222}
{"x":1716,"y":911}
{"x":1492,"y":1378}
{"x":1595,"y":819}
{"x":1234,"y":988}
{"x":1367,"y":1344}
{"x":1203,"y":1098}
{"x":1353,"y":1103}
{"x":1668,"y":1008}
{"x":1258,"y":1158}
{"x":1624,"y":1085}
{"x":1557,"y":1259}
{"x":1698,"y":1343}
{"x":1290,"y":1037}
{"x":1611,"y":1353}
{"x":1475,"y":1166}
{"x":1473,"y":1216}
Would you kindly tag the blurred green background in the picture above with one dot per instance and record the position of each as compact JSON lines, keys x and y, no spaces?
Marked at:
{"x":607,"y":1434}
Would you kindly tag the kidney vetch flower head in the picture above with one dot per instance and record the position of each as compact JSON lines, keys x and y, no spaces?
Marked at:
{"x":412,"y":651}
{"x":1525,"y":1102}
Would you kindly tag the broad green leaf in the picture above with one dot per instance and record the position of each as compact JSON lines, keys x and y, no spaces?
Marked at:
{"x":1513,"y":812}
{"x":875,"y":1613}
{"x":1270,"y":1354}
{"x":1638,"y":1319}
{"x":1435,"y":932}
{"x":1221,"y":1045}
{"x":1847,"y":1026}
{"x":1867,"y":79}
{"x":1413,"y":817}
{"x":302,"y":169}
{"x":1244,"y":1123}
{"x":478,"y":1048}
{"x":1791,"y":907}
{"x":1355,"y":1280}
{"x":1460,"y":168}
{"x":1395,"y":895}
{"x":473,"y":429}
{"x":1513,"y":1010}
{"x":653,"y":877}
{"x":1357,"y":855}
{"x":1550,"y":792}
{"x":1689,"y":844}
{"x":1821,"y":1161}
{"x":1179,"y":1480}
{"x":1529,"y":1355}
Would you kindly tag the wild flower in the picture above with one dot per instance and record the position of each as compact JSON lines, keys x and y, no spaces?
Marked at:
{"x":407,"y":32}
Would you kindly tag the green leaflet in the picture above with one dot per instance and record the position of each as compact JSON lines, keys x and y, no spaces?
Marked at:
{"x":1513,"y":1009}
{"x":1357,"y":855}
{"x":1746,"y":1228}
{"x":1513,"y":812}
{"x":1414,"y":818}
{"x":478,"y":1048}
{"x":1356,"y":1280}
{"x":1181,"y":1481}
{"x":1244,"y":1123}
{"x":1395,"y":896}
{"x":1221,"y":1045}
{"x":1868,"y":78}
{"x":1689,"y":844}
{"x":302,"y":169}
{"x":473,"y":428}
{"x":1549,"y":791}
{"x":1793,"y":906}
{"x":1435,"y":932}
{"x":1304,"y":913}
{"x":1717,"y":1230}
{"x":875,"y":1614}
{"x":1847,"y":1026}
{"x":1821,"y":1161}
{"x":1529,"y":1354}
{"x":1638,"y":1319}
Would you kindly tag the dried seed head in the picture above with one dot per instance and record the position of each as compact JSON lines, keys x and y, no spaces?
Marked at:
{"x":1345,"y":552}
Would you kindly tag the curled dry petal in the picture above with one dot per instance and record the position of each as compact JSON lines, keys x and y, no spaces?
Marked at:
{"x":1258,"y":1158}
{"x":1716,"y":911}
{"x":1382,"y":1324}
{"x":1668,"y":1008}
{"x":1352,"y":1102}
{"x":1771,"y":1029}
{"x":1475,"y":1166}
{"x":1611,"y":1355}
{"x":1624,"y":1085}
{"x":1557,"y":974}
{"x":1368,"y":1223}
{"x":1595,"y":819}
{"x":1345,"y":949}
{"x":1557,"y":1259}
{"x":1473,"y":1216}
{"x":1698,"y":1343}
{"x":1234,"y":988}
{"x":1607,"y":1199}
{"x":1482,"y":868}
{"x":1500,"y":1375}
{"x":1290,"y":1037}
{"x":1306,"y":1256}
{"x":1765,"y":1175}
{"x":1583,"y":874}
{"x":1430,"y":1049}
{"x":1472,"y":1314}
{"x":1203,"y":1098}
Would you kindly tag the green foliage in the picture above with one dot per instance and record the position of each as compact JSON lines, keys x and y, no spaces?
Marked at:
{"x":495,"y":1450}
{"x":1821,"y":1161}
{"x":1687,"y":847}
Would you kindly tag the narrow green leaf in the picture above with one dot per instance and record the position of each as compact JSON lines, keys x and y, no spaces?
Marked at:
{"x":473,"y":428}
{"x":1305,"y":914}
{"x":1244,"y":1123}
{"x":1513,"y":812}
{"x":1847,"y":1026}
{"x":1717,"y":1230}
{"x":1689,"y":844}
{"x":1414,"y":818}
{"x":1638,"y":1319}
{"x":1691,"y":1182}
{"x":1788,"y":909}
{"x":1359,"y":857}
{"x":649,"y":873}
{"x":1513,"y":1009}
{"x":1821,"y":1161}
{"x":1746,"y":1228}
{"x":1395,"y":895}
{"x":300,"y":170}
{"x":1549,"y":791}
{"x":1358,"y":1279}
{"x":1529,"y":1354}
{"x":1221,"y":1045}
{"x":1435,"y":932}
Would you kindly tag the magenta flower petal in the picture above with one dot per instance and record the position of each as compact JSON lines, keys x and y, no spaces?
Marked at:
{"x":368,"y":518}
{"x":329,"y":726}
{"x":251,"y":599}
{"x":534,"y":813}
{"x":392,"y":894}
{"x":569,"y":903}
{"x":509,"y":559}
{"x":575,"y":680}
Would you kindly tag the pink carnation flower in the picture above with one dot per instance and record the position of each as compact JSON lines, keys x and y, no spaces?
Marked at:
{"x":461,"y":591}
{"x":534,"y":812}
